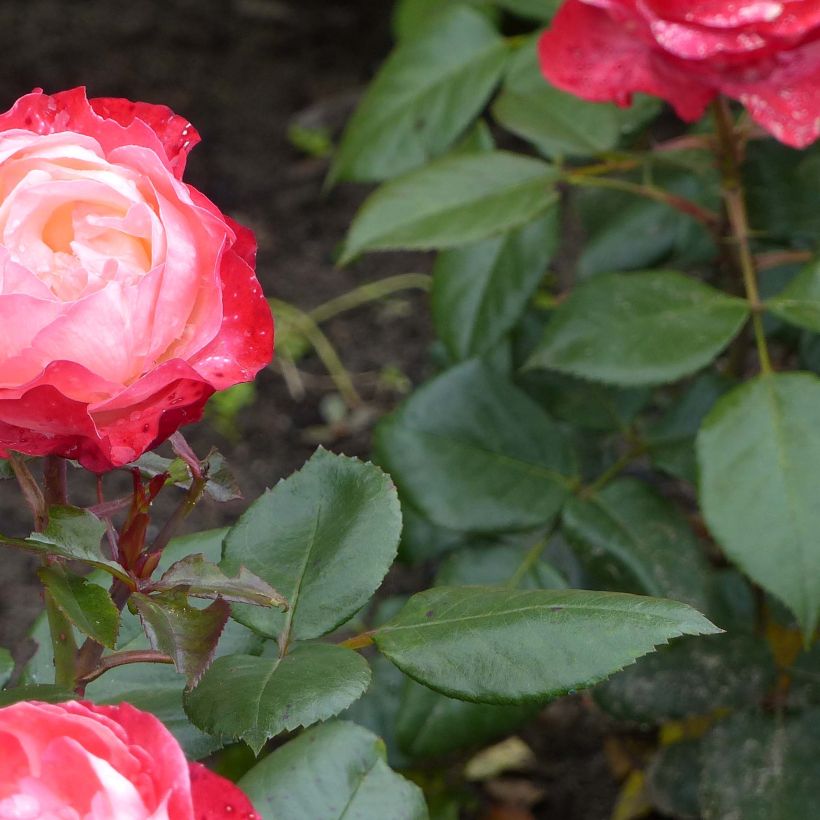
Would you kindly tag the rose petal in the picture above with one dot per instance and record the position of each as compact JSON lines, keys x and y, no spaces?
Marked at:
{"x":71,"y":111}
{"x":589,"y":54}
{"x":147,"y":412}
{"x":164,"y":767}
{"x":716,"y":13}
{"x":216,"y":798}
{"x":244,"y":344}
{"x":176,"y":134}
{"x":785,"y":99}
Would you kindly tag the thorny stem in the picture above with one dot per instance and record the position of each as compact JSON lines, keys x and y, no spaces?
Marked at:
{"x":90,"y":661}
{"x":122,"y":659}
{"x":735,"y":204}
{"x":706,"y":217}
{"x":32,"y":493}
{"x":55,"y":480}
{"x":185,"y":508}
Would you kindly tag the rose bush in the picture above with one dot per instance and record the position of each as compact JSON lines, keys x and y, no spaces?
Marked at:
{"x":77,"y":761}
{"x":766,"y":54}
{"x":126,"y":297}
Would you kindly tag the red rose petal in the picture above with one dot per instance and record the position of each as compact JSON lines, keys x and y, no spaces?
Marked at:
{"x":216,"y":798}
{"x":715,"y":13}
{"x":587,"y":53}
{"x":244,"y":344}
{"x":785,"y":99}
{"x":71,"y":111}
{"x":176,"y":134}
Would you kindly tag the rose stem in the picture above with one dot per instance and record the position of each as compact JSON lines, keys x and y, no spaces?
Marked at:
{"x":121,"y":659}
{"x":735,"y":202}
{"x":62,"y":632}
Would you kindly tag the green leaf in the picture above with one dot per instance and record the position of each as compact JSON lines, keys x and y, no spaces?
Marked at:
{"x":453,"y":201}
{"x":325,"y":538}
{"x":532,"y":9}
{"x":421,"y":539}
{"x":556,"y":122}
{"x":781,"y":189}
{"x":463,"y":641}
{"x":623,"y":232}
{"x":158,"y":688}
{"x":253,"y":699}
{"x":429,"y":724}
{"x":188,"y":635}
{"x":377,"y":708}
{"x":639,"y":328}
{"x":74,"y":534}
{"x":424,"y":96}
{"x":6,"y":666}
{"x":480,"y":291}
{"x":496,"y":564}
{"x":201,"y":579}
{"x":799,"y":303}
{"x":472,"y":452}
{"x":759,"y":457}
{"x":87,"y":605}
{"x":588,"y":405}
{"x":671,"y":440}
{"x":45,"y":693}
{"x":694,"y":676}
{"x":333,"y":772}
{"x":631,"y":539}
{"x":761,"y":767}
{"x":412,"y":18}
{"x":5,"y":470}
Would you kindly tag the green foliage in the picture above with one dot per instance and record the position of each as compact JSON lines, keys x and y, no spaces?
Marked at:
{"x":694,"y":676}
{"x":639,"y":328}
{"x":74,"y":534}
{"x":87,"y":605}
{"x":472,"y":452}
{"x":480,"y":291}
{"x":424,"y":97}
{"x":557,"y":123}
{"x":448,"y":637}
{"x":759,"y":767}
{"x":799,"y":303}
{"x":759,"y":456}
{"x":188,"y":635}
{"x":453,"y":201}
{"x":324,"y":538}
{"x":333,"y":771}
{"x":255,"y":698}
{"x":199,"y":578}
{"x":6,"y":666}
{"x":631,"y":539}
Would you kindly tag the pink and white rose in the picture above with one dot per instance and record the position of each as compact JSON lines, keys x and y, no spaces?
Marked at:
{"x":126,"y":297}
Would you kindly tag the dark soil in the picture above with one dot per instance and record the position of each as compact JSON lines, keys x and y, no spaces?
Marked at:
{"x":241,"y":71}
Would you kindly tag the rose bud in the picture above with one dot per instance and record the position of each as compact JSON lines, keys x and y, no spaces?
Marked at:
{"x":126,"y":297}
{"x":764,"y":53}
{"x":78,"y":761}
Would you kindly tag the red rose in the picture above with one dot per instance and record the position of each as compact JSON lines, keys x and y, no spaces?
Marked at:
{"x":126,"y":297}
{"x":764,"y":53}
{"x":84,"y":762}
